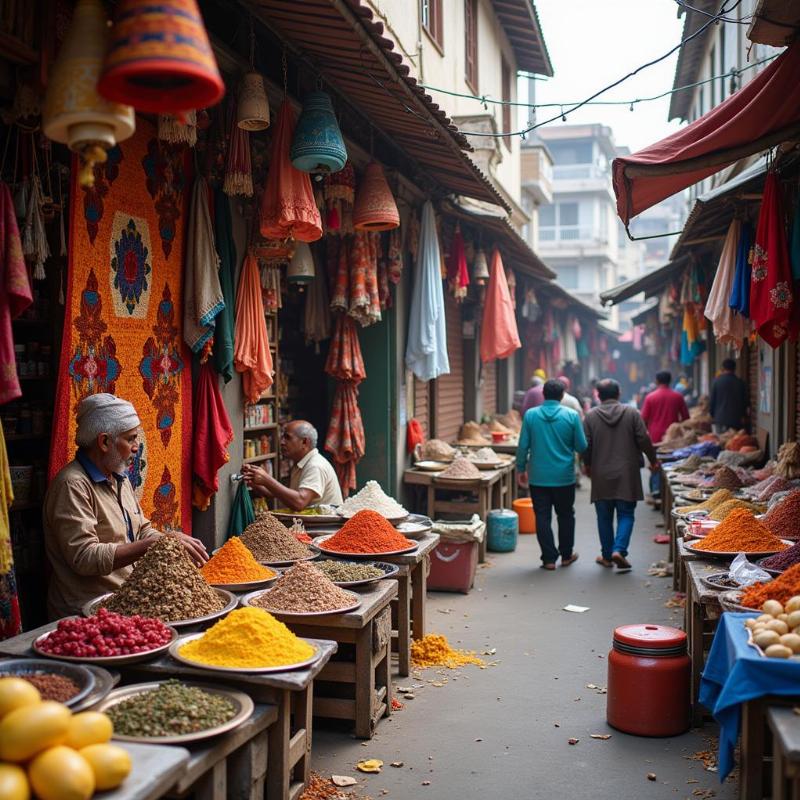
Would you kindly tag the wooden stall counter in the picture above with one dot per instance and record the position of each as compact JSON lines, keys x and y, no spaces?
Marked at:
{"x":156,"y":768}
{"x":784,"y":723}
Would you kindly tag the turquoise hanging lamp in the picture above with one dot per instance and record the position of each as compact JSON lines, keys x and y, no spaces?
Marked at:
{"x":318,"y":146}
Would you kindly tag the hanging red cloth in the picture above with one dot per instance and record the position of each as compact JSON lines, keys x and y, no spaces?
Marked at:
{"x":345,"y":362}
{"x":771,"y":299}
{"x":288,"y":208}
{"x":213,"y":433}
{"x":15,"y":294}
{"x":251,"y":354}
{"x":499,"y":334}
{"x":457,"y":273}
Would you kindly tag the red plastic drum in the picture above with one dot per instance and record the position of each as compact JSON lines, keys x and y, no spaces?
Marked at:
{"x":648,"y":681}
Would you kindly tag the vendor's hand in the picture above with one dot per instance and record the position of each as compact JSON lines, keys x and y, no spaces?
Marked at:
{"x":522,"y":479}
{"x":194,"y":547}
{"x":255,"y":479}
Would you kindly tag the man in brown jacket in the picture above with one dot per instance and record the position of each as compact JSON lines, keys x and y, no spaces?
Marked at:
{"x":617,"y":438}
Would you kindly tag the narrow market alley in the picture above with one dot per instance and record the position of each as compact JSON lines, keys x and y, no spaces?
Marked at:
{"x":504,"y":731}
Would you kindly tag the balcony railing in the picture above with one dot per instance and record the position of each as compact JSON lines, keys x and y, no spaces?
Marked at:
{"x":569,"y":233}
{"x":577,"y":172}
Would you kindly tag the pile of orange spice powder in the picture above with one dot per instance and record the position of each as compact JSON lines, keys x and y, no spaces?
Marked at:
{"x":367,"y":532}
{"x":740,"y":532}
{"x":782,"y":588}
{"x":234,"y":563}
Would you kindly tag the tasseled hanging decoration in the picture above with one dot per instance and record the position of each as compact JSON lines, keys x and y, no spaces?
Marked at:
{"x":34,"y":240}
{"x":238,"y":169}
{"x":171,"y":129}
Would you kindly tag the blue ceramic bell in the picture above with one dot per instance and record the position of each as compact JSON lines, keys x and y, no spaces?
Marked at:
{"x":318,"y":145}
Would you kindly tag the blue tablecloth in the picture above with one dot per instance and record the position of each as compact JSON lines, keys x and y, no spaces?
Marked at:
{"x":736,"y":673}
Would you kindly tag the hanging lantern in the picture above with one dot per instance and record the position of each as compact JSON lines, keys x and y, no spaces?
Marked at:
{"x":318,"y":145}
{"x":159,"y":58}
{"x":375,"y":208}
{"x":74,"y":113}
{"x":480,"y":269}
{"x":301,"y":268}
{"x":252,"y":113}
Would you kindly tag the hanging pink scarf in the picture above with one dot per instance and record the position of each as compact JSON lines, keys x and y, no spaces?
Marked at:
{"x":499,"y":335}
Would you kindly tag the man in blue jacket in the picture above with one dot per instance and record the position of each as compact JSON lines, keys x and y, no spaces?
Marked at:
{"x":551,"y":435}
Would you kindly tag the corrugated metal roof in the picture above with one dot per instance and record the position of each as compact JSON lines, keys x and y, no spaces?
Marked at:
{"x":775,"y":22}
{"x":649,"y":284}
{"x":353,"y":52}
{"x":521,"y":24}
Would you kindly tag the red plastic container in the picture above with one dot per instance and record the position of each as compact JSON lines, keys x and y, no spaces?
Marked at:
{"x":453,"y":566}
{"x":648,"y":681}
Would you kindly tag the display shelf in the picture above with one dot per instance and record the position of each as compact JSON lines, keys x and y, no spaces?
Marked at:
{"x":269,"y":426}
{"x":258,"y":459}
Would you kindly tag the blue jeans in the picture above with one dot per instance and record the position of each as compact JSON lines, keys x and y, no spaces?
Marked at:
{"x":609,"y":542}
{"x":562,"y":499}
{"x":655,"y":483}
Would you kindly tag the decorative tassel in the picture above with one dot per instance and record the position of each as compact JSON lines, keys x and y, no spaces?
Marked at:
{"x":40,"y":248}
{"x":171,"y":129}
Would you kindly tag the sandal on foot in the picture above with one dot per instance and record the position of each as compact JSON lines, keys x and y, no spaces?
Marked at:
{"x":604,"y":562}
{"x":565,"y":562}
{"x":620,"y":561}
{"x":547,"y":566}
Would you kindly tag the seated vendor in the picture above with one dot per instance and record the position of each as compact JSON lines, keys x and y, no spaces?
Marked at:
{"x":94,"y":527}
{"x":312,"y":481}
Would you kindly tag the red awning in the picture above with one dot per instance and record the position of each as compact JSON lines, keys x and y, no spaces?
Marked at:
{"x":762,"y":114}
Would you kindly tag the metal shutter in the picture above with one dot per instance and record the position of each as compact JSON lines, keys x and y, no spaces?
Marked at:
{"x":422,"y":405}
{"x":449,"y":389}
{"x":489,"y":388}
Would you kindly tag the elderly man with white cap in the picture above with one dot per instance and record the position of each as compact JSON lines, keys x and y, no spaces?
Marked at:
{"x":94,"y":526}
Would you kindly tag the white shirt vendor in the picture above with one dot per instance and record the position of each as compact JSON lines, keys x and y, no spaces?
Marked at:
{"x":313,"y":471}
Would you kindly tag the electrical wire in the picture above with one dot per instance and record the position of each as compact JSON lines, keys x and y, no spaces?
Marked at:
{"x":563,"y":115}
{"x":743,"y":21}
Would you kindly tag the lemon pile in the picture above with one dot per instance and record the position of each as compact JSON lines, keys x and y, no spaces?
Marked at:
{"x":48,"y":751}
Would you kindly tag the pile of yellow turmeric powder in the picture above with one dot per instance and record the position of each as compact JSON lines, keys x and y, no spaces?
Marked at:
{"x":434,"y":650}
{"x":248,"y":638}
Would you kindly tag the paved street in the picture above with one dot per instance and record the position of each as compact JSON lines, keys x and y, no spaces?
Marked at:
{"x":502,"y":731}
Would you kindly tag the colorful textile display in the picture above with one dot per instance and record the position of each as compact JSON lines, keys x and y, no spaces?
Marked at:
{"x":123,"y":328}
{"x":251,"y":355}
{"x":15,"y":294}
{"x":242,"y":511}
{"x":213,"y":433}
{"x":317,"y":313}
{"x":426,"y":346}
{"x":395,"y":256}
{"x":10,"y":621}
{"x":771,"y":297}
{"x":499,"y":335}
{"x":222,"y":357}
{"x":740,"y":290}
{"x":345,"y":439}
{"x":201,"y":288}
{"x":288,"y":208}
{"x":457,"y":273}
{"x":365,"y":304}
{"x":729,"y":326}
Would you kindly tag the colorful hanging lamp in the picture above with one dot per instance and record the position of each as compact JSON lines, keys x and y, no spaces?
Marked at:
{"x":159,"y":58}
{"x":301,"y":268}
{"x":252,"y":113}
{"x":318,"y":146}
{"x":74,"y":113}
{"x":375,"y":208}
{"x":480,"y":269}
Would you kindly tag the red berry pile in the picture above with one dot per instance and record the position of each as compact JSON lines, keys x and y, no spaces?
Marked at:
{"x":105,"y":635}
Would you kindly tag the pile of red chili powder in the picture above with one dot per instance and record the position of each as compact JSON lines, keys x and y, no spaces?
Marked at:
{"x":367,"y":532}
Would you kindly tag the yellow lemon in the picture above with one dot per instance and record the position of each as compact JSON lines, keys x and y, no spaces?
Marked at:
{"x":28,"y":730}
{"x":16,"y":693}
{"x":90,"y":727}
{"x":13,"y":783}
{"x":110,"y":763}
{"x":61,"y":773}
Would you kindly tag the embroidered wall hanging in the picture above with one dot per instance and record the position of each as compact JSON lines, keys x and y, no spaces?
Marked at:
{"x":123,"y":323}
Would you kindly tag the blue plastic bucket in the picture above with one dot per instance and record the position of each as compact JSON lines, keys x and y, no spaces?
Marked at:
{"x":502,"y":527}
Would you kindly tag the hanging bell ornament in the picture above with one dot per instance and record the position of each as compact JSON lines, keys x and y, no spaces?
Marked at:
{"x":375,"y":208}
{"x":159,"y":58}
{"x":74,"y":113}
{"x":318,"y":146}
{"x":252,"y":112}
{"x":301,"y":268}
{"x":480,"y":269}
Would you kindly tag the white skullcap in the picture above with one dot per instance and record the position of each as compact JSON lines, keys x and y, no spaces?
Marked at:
{"x":104,"y":413}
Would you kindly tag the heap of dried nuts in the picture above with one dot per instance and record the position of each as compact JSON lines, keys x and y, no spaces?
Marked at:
{"x":105,"y":635}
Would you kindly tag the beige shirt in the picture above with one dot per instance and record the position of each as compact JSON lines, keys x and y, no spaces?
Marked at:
{"x":84,"y":522}
{"x":313,"y":471}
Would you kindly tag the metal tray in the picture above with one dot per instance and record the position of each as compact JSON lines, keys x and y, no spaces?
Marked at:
{"x":310,"y":557}
{"x":104,"y":682}
{"x":389,"y":571}
{"x":412,"y":529}
{"x":713,"y":581}
{"x":241,"y":702}
{"x":488,"y":464}
{"x":319,"y":543}
{"x":80,"y":675}
{"x":189,"y":637}
{"x":248,"y":599}
{"x":431,"y":466}
{"x":230,"y":600}
{"x":734,"y":553}
{"x":249,"y":586}
{"x":393,"y":520}
{"x":307,"y":519}
{"x":109,"y":661}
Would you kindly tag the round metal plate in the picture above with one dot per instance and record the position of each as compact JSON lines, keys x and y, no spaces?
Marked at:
{"x":319,"y":543}
{"x":230,"y":600}
{"x":717,"y":581}
{"x":241,"y":702}
{"x":189,"y":637}
{"x":307,"y":519}
{"x":389,"y":570}
{"x":310,"y":557}
{"x":109,"y":661}
{"x":734,"y":553}
{"x":248,"y":600}
{"x":413,"y":530}
{"x":246,"y":587}
{"x":488,"y":464}
{"x":393,"y":520}
{"x":431,"y":466}
{"x":80,"y":675}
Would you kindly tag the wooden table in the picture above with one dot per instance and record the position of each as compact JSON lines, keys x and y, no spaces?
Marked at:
{"x":701,"y":615}
{"x":362,"y":671}
{"x":156,"y":767}
{"x":685,"y":557}
{"x":412,"y":592}
{"x":289,"y":739}
{"x":784,"y":725}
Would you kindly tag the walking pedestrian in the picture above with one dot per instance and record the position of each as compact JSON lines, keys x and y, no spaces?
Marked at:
{"x":730,"y":403}
{"x":534,"y":397}
{"x":616,"y":439}
{"x":570,"y":401}
{"x":551,"y":435}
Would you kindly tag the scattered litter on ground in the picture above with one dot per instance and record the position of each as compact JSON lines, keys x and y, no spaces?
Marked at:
{"x":343,"y":780}
{"x":370,"y":765}
{"x":602,"y":736}
{"x":396,"y":764}
{"x":660,"y":569}
{"x":397,"y":705}
{"x":651,"y":776}
{"x":678,"y":600}
{"x":573,"y":741}
{"x":576,"y":609}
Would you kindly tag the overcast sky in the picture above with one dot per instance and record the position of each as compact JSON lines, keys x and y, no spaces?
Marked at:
{"x":593,"y":43}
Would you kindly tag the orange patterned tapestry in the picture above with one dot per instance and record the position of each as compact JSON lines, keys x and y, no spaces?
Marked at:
{"x":124,"y":316}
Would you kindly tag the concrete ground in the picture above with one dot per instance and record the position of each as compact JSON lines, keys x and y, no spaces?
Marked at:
{"x":503,"y":731}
